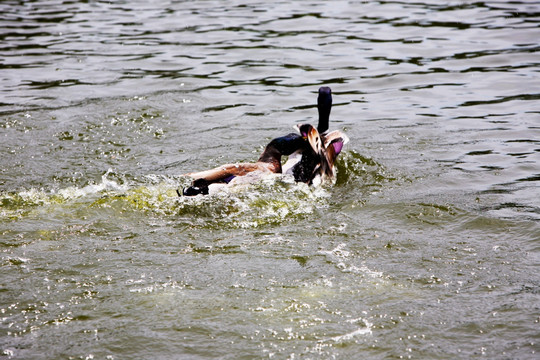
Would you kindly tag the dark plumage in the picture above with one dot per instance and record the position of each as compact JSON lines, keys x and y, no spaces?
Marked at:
{"x":324,"y":106}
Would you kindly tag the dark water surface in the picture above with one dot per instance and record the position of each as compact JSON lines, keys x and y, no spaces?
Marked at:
{"x":428,"y":245}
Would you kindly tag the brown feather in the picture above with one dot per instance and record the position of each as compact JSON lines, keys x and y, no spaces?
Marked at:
{"x":224,"y":171}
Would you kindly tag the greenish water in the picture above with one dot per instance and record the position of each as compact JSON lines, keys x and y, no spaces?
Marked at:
{"x":427,"y":246}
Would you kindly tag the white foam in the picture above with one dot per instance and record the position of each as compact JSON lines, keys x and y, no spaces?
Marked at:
{"x":105,"y":184}
{"x":352,"y":334}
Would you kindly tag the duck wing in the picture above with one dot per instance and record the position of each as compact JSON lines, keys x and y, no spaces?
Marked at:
{"x":333,"y":143}
{"x":323,"y":150}
{"x":315,"y":140}
{"x":333,"y":137}
{"x":221,"y":175}
{"x":225,"y":173}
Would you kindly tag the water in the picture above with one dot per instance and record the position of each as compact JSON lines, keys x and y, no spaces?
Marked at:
{"x":427,"y":246}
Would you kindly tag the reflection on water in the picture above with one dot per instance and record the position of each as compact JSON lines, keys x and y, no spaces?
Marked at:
{"x":432,"y":223}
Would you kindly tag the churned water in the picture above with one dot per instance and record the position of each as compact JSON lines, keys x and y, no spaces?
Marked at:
{"x":427,"y":246}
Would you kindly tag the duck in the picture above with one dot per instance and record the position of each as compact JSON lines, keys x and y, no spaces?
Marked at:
{"x":269,"y":162}
{"x":311,"y":152}
{"x":314,"y":162}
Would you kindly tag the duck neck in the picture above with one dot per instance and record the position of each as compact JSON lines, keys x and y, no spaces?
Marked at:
{"x":271,"y":156}
{"x":324,"y":107}
{"x":284,"y":145}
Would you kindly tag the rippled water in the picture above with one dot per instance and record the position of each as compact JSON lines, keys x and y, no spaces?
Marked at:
{"x":427,"y":246}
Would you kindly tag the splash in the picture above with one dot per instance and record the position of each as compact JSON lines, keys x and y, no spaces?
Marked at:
{"x":23,"y":203}
{"x":275,"y":200}
{"x":271,"y":201}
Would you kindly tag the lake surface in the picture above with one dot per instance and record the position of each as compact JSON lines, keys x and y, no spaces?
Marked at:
{"x":427,"y":246}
